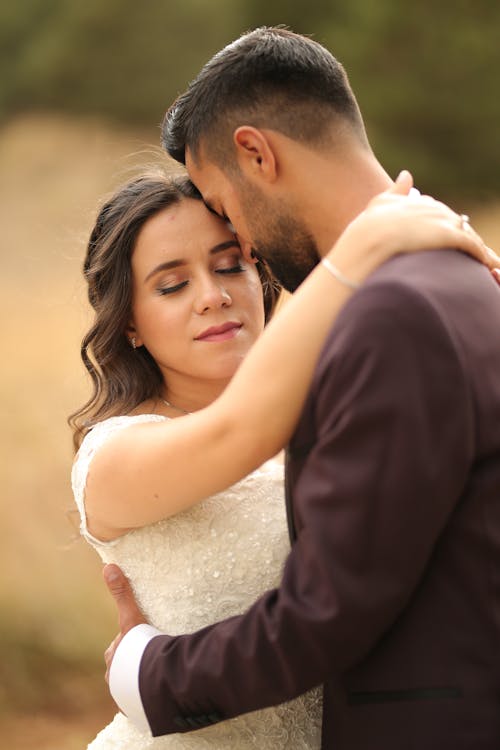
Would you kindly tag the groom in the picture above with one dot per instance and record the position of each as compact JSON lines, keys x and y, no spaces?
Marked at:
{"x":391,"y":593}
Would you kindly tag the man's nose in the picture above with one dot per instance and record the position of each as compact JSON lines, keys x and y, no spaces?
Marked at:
{"x":246,"y":249}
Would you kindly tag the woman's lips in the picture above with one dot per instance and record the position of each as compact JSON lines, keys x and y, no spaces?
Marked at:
{"x":220,"y":333}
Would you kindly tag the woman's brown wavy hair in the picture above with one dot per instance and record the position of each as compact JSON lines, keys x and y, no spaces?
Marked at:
{"x":123,"y":377}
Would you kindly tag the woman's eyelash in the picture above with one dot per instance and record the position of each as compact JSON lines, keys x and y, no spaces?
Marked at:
{"x":171,"y":289}
{"x":234,"y":269}
{"x":163,"y":290}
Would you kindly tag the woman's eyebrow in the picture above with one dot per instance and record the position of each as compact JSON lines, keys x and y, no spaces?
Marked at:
{"x":224,"y":246}
{"x":220,"y":247}
{"x":165,"y":266}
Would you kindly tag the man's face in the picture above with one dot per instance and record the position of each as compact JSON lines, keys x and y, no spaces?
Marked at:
{"x":267,"y":225}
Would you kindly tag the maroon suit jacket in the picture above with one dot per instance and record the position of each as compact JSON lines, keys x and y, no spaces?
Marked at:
{"x":391,"y":593}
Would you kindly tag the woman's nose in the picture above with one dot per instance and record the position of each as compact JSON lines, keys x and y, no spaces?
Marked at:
{"x":212,"y":296}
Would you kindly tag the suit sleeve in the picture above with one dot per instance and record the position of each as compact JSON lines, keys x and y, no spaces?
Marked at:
{"x":382,"y":476}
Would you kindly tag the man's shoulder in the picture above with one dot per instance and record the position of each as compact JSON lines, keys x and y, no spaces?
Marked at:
{"x":411,"y":282}
{"x":411,"y":298}
{"x":424,"y":269}
{"x":402,"y":284}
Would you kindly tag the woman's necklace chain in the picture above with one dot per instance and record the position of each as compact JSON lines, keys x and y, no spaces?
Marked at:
{"x":177,"y":408}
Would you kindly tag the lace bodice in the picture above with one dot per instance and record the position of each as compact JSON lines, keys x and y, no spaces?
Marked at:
{"x":200,"y":566}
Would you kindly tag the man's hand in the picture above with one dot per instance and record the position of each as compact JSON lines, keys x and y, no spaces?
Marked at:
{"x":129,"y":614}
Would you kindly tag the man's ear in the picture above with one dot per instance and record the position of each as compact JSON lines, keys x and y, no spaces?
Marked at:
{"x":254,"y":153}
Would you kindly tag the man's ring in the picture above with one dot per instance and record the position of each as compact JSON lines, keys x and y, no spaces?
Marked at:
{"x":464,"y":222}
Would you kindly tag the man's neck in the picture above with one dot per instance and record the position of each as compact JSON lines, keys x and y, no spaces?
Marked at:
{"x":335,"y":190}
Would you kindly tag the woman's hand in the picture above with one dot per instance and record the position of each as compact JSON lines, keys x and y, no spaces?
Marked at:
{"x":400,"y":221}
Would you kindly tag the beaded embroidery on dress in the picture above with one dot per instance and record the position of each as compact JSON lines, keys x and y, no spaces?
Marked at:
{"x":193,"y":569}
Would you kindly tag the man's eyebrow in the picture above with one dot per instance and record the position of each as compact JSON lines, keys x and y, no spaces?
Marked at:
{"x":168,"y":264}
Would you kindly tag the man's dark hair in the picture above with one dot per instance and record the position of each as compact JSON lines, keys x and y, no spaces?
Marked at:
{"x":269,"y":78}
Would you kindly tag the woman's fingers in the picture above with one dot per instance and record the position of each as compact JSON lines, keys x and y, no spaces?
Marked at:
{"x":475,"y":243}
{"x":458,"y":227}
{"x":402,"y":185}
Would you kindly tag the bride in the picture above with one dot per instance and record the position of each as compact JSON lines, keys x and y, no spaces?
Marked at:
{"x":182,"y":497}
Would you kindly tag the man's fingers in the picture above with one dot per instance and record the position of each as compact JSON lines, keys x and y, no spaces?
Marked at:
{"x":116,"y":582}
{"x":109,"y":653}
{"x":129,"y":613}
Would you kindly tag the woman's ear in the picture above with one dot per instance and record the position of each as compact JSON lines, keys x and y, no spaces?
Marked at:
{"x":254,"y":153}
{"x":131,"y":333}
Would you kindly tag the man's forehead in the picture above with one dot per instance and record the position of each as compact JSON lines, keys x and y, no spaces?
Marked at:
{"x":195,"y":165}
{"x":190,"y":163}
{"x":196,"y":161}
{"x":202,"y":173}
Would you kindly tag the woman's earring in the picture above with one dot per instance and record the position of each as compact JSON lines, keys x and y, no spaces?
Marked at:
{"x":133,"y":342}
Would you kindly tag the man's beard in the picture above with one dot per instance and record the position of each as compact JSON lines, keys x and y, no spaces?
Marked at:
{"x":285,"y":243}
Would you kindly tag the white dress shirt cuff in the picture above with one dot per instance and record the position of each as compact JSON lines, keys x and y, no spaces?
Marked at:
{"x":124,"y":674}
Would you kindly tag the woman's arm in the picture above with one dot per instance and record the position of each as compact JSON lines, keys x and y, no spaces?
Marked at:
{"x":151,"y":471}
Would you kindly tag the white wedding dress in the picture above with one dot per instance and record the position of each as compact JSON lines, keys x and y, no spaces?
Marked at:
{"x":200,"y":566}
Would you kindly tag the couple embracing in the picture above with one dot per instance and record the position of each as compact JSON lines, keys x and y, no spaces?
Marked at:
{"x":377,"y":623}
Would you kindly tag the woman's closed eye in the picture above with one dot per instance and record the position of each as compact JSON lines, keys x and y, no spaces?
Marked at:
{"x":225,"y":267}
{"x":231,"y":262}
{"x":171,"y":289}
{"x":237,"y":268}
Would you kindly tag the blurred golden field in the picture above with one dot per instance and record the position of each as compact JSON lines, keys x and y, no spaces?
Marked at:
{"x":55,"y":616}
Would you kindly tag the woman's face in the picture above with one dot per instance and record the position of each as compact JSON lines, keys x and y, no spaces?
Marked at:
{"x":197,"y":305}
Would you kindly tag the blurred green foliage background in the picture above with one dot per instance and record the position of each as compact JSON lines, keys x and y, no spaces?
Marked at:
{"x":426,"y":73}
